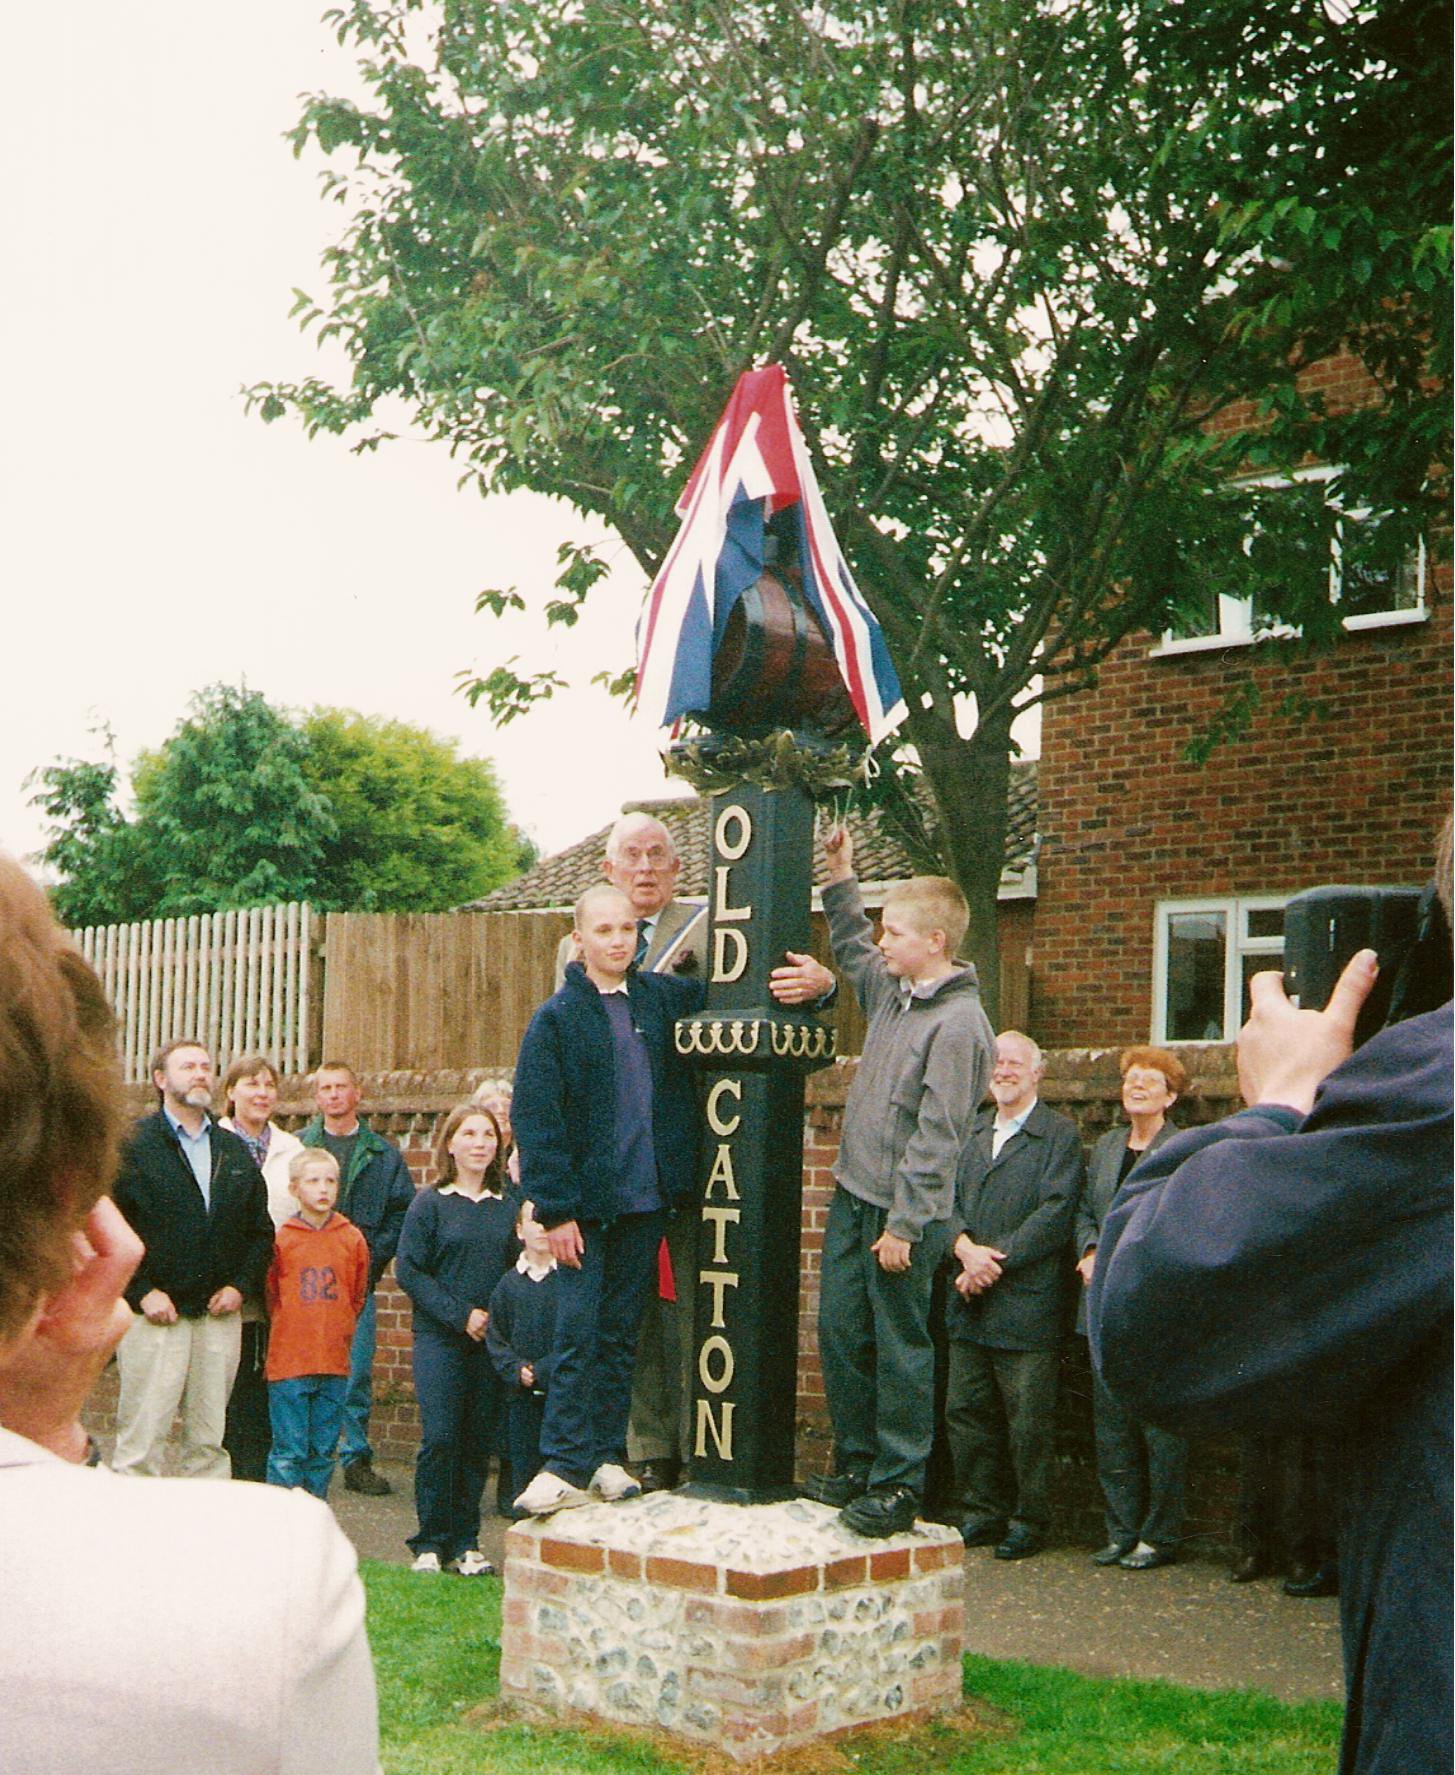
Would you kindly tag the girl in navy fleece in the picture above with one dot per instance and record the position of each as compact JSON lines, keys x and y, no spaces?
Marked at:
{"x":458,"y":1241}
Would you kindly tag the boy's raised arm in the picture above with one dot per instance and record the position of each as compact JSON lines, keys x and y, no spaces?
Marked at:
{"x":850,"y":932}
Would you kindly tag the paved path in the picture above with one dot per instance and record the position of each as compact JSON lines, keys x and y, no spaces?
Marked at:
{"x":1185,"y":1622}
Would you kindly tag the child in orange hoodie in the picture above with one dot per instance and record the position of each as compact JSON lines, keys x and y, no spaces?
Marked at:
{"x":317,"y":1287}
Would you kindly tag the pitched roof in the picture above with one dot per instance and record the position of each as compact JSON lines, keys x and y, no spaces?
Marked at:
{"x":879,"y":855}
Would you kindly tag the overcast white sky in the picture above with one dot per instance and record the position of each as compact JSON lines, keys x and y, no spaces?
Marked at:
{"x":154,"y":540}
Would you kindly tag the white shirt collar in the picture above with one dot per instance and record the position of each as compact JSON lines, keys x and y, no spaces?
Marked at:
{"x":536,"y":1272}
{"x":1011,"y":1124}
{"x":453,"y":1189}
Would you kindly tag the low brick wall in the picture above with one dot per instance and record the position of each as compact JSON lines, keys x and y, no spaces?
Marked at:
{"x":1081,"y":1083}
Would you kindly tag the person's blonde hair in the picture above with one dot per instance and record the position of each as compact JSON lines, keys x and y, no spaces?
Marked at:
{"x":61,"y":1106}
{"x":299,"y":1162}
{"x":932,"y":903}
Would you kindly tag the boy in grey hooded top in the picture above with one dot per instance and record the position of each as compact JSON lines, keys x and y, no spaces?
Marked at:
{"x":925,"y":1067}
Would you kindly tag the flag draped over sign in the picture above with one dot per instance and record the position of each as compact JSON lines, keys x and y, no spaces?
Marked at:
{"x":756,"y":464}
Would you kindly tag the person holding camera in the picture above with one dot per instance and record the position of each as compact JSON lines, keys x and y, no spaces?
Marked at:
{"x":1291,"y":1267}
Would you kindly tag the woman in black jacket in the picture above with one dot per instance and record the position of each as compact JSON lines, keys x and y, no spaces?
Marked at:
{"x":1142,"y":1470}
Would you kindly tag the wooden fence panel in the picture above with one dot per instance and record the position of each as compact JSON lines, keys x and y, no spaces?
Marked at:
{"x":238,"y":982}
{"x":415,"y":992}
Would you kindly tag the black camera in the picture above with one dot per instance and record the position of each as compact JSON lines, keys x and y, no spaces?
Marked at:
{"x":1404,"y":926}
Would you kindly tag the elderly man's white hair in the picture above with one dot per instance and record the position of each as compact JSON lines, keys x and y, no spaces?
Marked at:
{"x":638,"y":825}
{"x":1037,"y":1059}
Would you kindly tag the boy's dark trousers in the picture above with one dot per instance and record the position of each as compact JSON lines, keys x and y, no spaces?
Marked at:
{"x":875,"y":1345}
{"x":524,"y":1414}
{"x":458,"y":1392}
{"x":598,"y":1316}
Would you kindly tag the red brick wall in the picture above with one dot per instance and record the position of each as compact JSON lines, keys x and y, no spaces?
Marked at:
{"x":1348,"y":782}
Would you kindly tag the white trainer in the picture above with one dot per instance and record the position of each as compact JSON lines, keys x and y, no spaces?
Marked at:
{"x":611,"y":1483}
{"x":547,"y":1493}
{"x":472,"y":1563}
{"x":426,"y":1562}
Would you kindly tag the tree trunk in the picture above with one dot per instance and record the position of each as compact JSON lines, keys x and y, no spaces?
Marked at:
{"x":970,"y":781}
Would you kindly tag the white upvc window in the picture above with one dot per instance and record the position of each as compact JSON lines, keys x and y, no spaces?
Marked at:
{"x":1204,"y":953}
{"x":1374,"y":597}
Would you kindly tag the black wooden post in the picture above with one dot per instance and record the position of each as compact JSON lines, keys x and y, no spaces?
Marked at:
{"x":755,"y":1054}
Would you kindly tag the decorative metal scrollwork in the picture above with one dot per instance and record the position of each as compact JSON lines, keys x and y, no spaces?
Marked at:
{"x":743,"y":1038}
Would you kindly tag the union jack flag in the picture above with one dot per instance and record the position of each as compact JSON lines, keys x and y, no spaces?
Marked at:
{"x":756,"y":464}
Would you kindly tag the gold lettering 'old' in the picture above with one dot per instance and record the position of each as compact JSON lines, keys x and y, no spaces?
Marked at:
{"x":732,"y":820}
{"x":717,"y":1281}
{"x":720,"y":908}
{"x":722,"y":1173}
{"x":716,"y":1120}
{"x":729,"y":954}
{"x":721,"y":1219}
{"x":721,"y":1428}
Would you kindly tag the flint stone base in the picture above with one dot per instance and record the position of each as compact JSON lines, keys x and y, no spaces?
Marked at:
{"x":750,"y":1627}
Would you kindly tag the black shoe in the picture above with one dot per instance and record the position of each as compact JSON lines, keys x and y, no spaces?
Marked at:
{"x":889,"y":1512}
{"x":836,"y":1489}
{"x":1247,"y":1567}
{"x":360,"y":1476}
{"x":657,"y":1475}
{"x":1323,"y":1581}
{"x":1146,"y":1559}
{"x":1112,"y":1553}
{"x":1020,"y":1543}
{"x":981,"y":1531}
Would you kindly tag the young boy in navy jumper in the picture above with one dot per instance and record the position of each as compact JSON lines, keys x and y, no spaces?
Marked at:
{"x":606,"y":1118}
{"x":521,"y":1338}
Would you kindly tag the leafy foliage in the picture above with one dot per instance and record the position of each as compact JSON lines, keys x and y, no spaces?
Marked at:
{"x":246,"y":806}
{"x":1017,"y":256}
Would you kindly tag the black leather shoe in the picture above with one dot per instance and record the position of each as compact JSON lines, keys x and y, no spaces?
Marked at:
{"x":1146,"y":1559}
{"x":656,"y":1475}
{"x":1112,"y":1552}
{"x":836,"y":1489}
{"x":981,"y":1531}
{"x":878,"y":1513}
{"x":1020,"y":1543}
{"x":1324,"y":1581}
{"x":360,"y":1476}
{"x":1246,"y":1567}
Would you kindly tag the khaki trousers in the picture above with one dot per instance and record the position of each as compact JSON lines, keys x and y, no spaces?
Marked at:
{"x":191,"y":1364}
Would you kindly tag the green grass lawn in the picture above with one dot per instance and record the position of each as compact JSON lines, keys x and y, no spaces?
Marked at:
{"x":437,"y":1652}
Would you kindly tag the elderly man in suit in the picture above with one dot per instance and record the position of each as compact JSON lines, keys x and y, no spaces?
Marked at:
{"x":1019,"y":1181}
{"x":642,"y":861}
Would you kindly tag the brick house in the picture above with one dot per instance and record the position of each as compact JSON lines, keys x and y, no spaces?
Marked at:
{"x":1161,"y":881}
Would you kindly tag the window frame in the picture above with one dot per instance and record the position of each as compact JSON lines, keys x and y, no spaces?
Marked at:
{"x":1235,"y":615}
{"x":1237,"y":944}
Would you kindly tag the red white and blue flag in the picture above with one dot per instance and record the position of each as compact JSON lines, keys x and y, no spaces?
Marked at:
{"x":756,"y":464}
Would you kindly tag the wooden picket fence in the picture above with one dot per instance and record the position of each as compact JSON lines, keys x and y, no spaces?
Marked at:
{"x":240,"y":982}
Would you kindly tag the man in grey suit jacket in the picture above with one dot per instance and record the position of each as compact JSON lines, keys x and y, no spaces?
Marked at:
{"x":642,"y":861}
{"x":1019,"y":1182}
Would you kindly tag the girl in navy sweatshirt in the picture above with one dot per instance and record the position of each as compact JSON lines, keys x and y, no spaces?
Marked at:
{"x":458,"y":1241}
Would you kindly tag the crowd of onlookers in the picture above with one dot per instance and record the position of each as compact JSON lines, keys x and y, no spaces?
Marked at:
{"x":552,"y":1309}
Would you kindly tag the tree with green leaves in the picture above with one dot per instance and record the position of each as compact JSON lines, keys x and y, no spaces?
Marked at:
{"x":244,"y":805}
{"x":1019,"y":257}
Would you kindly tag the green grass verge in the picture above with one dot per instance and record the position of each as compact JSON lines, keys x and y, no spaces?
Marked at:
{"x":436,"y":1649}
